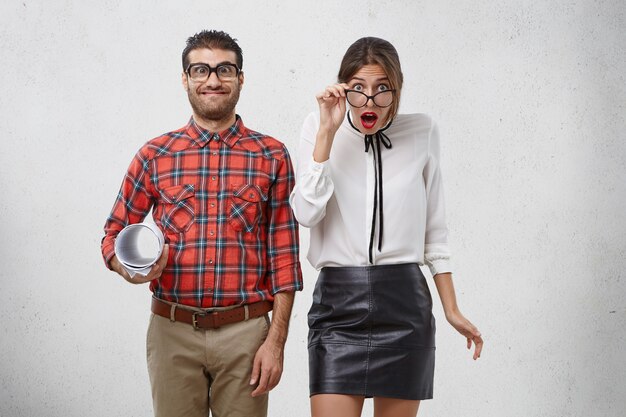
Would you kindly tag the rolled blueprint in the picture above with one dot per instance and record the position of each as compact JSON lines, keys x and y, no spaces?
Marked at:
{"x":138,"y":247}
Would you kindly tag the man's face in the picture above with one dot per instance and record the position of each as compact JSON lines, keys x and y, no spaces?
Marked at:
{"x":213,"y":99}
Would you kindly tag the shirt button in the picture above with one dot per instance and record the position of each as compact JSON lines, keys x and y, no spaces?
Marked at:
{"x":212,"y":204}
{"x":210,"y":261}
{"x":214,"y":153}
{"x":211,"y":233}
{"x":213,"y":177}
{"x":251,"y":195}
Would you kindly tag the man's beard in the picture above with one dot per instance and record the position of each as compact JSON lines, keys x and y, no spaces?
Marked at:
{"x":212,"y":111}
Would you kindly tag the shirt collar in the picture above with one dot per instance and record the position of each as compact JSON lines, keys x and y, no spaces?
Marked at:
{"x":229,"y":136}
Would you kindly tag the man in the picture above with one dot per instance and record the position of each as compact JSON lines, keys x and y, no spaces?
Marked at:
{"x":220,"y":193}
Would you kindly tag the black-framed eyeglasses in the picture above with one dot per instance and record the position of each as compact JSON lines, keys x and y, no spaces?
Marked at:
{"x":359,"y":99}
{"x":201,"y":72}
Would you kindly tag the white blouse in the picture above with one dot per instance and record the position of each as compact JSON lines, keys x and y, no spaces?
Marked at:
{"x":335,"y":198}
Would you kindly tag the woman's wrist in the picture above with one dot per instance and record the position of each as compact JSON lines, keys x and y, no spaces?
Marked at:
{"x":451,"y":311}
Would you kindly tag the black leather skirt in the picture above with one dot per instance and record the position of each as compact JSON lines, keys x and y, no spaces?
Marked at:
{"x":372,"y":333}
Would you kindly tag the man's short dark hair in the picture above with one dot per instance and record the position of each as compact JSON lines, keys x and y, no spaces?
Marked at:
{"x":212,"y":39}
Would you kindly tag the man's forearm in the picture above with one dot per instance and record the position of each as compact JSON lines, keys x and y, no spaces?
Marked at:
{"x":283,"y":303}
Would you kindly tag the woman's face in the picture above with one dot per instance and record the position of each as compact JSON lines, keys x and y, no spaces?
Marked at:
{"x":370,"y":80}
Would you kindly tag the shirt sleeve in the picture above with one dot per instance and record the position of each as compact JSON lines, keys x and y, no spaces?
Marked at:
{"x":436,"y":250}
{"x":284,"y":269}
{"x":314,"y":185}
{"x":134,"y":201}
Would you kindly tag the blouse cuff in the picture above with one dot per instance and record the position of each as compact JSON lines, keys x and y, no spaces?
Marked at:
{"x":437,"y":257}
{"x":315,"y":183}
{"x":439,"y":266}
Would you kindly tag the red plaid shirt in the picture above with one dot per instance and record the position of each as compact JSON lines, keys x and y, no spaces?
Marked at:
{"x":222,"y":202}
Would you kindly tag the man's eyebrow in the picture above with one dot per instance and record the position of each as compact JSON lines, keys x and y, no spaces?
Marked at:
{"x":219,"y":63}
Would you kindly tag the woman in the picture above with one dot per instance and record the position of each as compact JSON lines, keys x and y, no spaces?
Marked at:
{"x":369,"y":187}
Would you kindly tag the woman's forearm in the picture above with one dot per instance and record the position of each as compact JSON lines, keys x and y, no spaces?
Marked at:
{"x":445,"y":288}
{"x":323,"y":144}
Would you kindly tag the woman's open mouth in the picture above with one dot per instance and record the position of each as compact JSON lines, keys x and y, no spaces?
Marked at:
{"x":369,"y":119}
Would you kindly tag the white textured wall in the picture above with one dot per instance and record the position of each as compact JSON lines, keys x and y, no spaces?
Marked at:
{"x":530,"y":97}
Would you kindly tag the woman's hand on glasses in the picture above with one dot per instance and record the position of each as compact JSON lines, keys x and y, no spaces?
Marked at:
{"x":332,"y":103}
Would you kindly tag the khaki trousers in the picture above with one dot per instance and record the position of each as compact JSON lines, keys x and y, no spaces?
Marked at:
{"x":194,"y":371}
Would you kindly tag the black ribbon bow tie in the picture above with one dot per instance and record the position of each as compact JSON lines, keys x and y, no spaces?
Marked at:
{"x":374,"y":141}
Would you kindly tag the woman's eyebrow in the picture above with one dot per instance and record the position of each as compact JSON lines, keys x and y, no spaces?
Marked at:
{"x":377,"y":79}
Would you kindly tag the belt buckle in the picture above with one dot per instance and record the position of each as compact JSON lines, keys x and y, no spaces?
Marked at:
{"x":194,"y":319}
{"x":212,"y":314}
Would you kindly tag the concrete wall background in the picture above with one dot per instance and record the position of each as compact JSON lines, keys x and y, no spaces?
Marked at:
{"x":530,"y":98}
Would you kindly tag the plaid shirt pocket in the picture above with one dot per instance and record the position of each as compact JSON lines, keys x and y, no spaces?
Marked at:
{"x":178,"y":207}
{"x":245,"y":206}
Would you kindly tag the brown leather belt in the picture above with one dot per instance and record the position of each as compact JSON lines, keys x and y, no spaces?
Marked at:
{"x":209,"y":319}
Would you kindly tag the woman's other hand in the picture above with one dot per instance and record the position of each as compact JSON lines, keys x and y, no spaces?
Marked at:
{"x":467,"y":329}
{"x":445,"y":288}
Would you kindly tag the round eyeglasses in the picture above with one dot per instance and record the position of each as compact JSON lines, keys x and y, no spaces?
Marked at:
{"x":359,"y":99}
{"x":201,"y":72}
